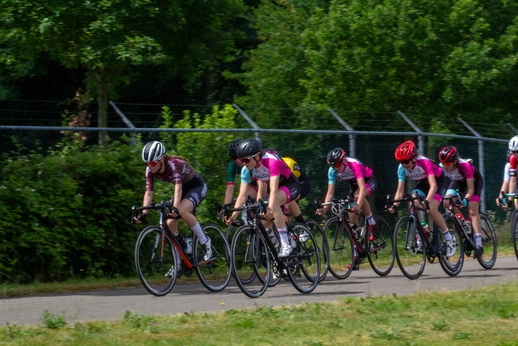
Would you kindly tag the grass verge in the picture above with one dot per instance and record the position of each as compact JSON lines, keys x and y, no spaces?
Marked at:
{"x":485,"y":316}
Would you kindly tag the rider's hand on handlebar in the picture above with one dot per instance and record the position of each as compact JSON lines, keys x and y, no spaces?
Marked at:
{"x":141,"y":218}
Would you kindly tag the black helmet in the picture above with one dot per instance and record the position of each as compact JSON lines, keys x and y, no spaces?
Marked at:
{"x":249,"y":147}
{"x":448,"y":154}
{"x":335,"y":155}
{"x":232,"y":148}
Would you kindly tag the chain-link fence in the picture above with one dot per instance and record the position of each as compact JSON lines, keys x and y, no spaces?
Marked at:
{"x":309,"y":149}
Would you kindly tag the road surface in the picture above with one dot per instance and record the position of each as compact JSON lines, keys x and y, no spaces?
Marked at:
{"x":193,"y":297}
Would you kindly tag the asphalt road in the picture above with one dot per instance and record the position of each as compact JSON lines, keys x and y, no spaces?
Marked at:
{"x":193,"y":297}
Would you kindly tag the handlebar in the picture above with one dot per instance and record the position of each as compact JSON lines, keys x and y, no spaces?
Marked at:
{"x":338,"y":206}
{"x":165,"y":206}
{"x":408,"y":198}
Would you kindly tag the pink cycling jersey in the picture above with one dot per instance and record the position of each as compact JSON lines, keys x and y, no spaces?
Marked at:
{"x":270,"y":165}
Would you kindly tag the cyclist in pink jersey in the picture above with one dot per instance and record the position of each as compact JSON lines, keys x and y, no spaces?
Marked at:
{"x":189,"y":190}
{"x":274,"y":174}
{"x":465,"y":178}
{"x":362,"y":184}
{"x":513,"y":166}
{"x":431,"y":183}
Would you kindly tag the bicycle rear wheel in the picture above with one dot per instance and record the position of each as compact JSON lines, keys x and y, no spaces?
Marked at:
{"x":320,"y":238}
{"x":341,"y":251}
{"x":488,"y":258}
{"x":382,"y":254}
{"x":452,"y":265}
{"x":304,"y":264}
{"x":514,"y":231}
{"x":151,"y":266}
{"x":249,"y":260}
{"x":215,"y":273}
{"x":410,"y":256}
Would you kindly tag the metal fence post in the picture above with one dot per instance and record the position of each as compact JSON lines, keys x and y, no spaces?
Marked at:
{"x":481,"y":162}
{"x":352,"y":137}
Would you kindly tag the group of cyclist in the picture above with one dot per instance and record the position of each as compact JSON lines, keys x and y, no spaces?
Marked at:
{"x":279,"y":180}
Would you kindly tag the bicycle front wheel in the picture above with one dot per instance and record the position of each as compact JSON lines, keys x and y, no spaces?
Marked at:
{"x":320,"y":238}
{"x":514,"y":231}
{"x":488,"y":258}
{"x":410,"y":253}
{"x":304,"y":264}
{"x":215,"y":272}
{"x":154,"y":259}
{"x":381,"y":250}
{"x":341,"y":251}
{"x":452,"y":265}
{"x":249,"y":259}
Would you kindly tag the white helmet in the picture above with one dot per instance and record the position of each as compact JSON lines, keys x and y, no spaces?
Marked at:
{"x":513,"y":144}
{"x":153,"y":151}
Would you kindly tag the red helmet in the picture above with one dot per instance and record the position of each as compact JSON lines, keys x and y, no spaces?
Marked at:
{"x":448,"y":154}
{"x":336,"y":155}
{"x":405,"y":151}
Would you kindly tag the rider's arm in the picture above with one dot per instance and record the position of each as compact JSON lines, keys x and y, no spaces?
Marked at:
{"x":231,"y":178}
{"x":240,"y":201}
{"x":471,"y":188}
{"x":148,"y":198}
{"x":272,"y":199}
{"x":362,"y":193}
{"x":229,"y":193}
{"x":433,"y":188}
{"x":177,"y":195}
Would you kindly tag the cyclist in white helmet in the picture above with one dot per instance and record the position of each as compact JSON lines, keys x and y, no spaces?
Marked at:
{"x":513,"y":163}
{"x":189,"y":189}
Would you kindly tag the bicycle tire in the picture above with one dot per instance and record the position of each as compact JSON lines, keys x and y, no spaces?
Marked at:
{"x":231,"y":229}
{"x":323,"y":246}
{"x":452,"y":266}
{"x":341,"y":251}
{"x":151,"y":269}
{"x":514,"y":231}
{"x":213,"y":274}
{"x":305,"y":258}
{"x":488,"y":258}
{"x":410,"y":259}
{"x":246,"y":259}
{"x":381,"y":253}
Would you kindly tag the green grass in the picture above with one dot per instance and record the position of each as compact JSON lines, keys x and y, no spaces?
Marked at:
{"x":481,"y":316}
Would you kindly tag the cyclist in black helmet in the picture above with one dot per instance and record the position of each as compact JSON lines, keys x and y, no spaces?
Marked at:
{"x":234,"y":168}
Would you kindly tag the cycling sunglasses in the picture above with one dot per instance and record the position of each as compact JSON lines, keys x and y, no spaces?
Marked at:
{"x":406,"y":162}
{"x":246,"y":160}
{"x":152,"y":163}
{"x":337,"y":165}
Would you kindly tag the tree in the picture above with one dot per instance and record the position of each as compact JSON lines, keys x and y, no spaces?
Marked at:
{"x":106,"y":37}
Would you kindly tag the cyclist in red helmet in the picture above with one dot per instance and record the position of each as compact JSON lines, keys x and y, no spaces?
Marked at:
{"x":502,"y":203}
{"x":431,"y":183}
{"x":362,"y":184}
{"x":466,"y":178}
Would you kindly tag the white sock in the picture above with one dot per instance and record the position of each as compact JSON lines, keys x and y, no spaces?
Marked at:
{"x":370,"y":220}
{"x":447,"y":235}
{"x":199,"y":233}
{"x":478,"y":240}
{"x":284,"y":235}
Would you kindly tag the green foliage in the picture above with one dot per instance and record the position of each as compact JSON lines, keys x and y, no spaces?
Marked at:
{"x":51,"y":321}
{"x":67,"y":215}
{"x":206,"y":152}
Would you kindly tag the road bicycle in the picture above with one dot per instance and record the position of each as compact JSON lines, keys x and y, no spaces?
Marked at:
{"x":488,"y":258}
{"x":514,"y":222}
{"x":254,"y":253}
{"x":350,"y":245}
{"x":414,"y":246}
{"x":159,"y":254}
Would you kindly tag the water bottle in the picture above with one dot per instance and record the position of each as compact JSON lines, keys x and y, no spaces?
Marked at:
{"x":273,"y":237}
{"x":426,"y":229}
{"x":466,"y":224}
{"x":244,"y":215}
{"x":188,"y":248}
{"x":355,"y":229}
